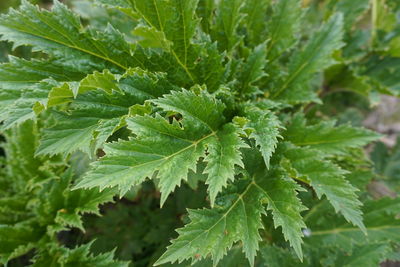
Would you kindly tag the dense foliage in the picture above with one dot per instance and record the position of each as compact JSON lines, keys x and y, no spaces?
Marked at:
{"x":234,"y":122}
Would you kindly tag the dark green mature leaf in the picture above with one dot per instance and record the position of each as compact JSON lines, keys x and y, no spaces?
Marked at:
{"x":21,"y":142}
{"x":97,"y":114}
{"x":16,"y":240}
{"x":171,"y":26}
{"x":380,"y":223}
{"x":352,"y":11}
{"x":315,"y":57}
{"x":255,"y":20}
{"x":60,"y":207}
{"x":59,"y":33}
{"x":228,"y":19}
{"x":327,"y":137}
{"x":42,"y":203}
{"x":175,"y":21}
{"x":79,"y":256}
{"x":22,"y":86}
{"x":238,"y":218}
{"x":283,"y":27}
{"x":30,"y":102}
{"x":221,"y":159}
{"x":327,"y":179}
{"x":253,"y":69}
{"x":370,"y":255}
{"x":386,"y":162}
{"x":171,"y":149}
{"x":205,"y":11}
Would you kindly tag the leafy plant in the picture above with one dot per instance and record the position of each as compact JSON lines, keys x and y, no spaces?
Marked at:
{"x":224,"y":101}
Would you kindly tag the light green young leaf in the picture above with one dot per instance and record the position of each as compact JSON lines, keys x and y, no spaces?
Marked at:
{"x":66,"y":92}
{"x":200,"y":111}
{"x":96,"y":114}
{"x":264,"y":128}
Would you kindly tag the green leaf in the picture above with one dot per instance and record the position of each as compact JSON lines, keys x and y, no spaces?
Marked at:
{"x":128,"y":163}
{"x":79,"y":256}
{"x":205,"y":11}
{"x":227,"y":19}
{"x":124,"y":6}
{"x":379,"y":218}
{"x":255,"y":20}
{"x":19,"y":73}
{"x":16,"y":240}
{"x":70,"y":134}
{"x":98,"y":110}
{"x":105,"y":81}
{"x":264,"y":128}
{"x":327,"y":137}
{"x":315,"y":57}
{"x":283,"y":27}
{"x":23,"y":108}
{"x":60,"y":33}
{"x":370,"y":255}
{"x":223,"y":155}
{"x":152,"y":37}
{"x":176,"y":21}
{"x":22,"y":86}
{"x":253,"y":69}
{"x":327,"y":179}
{"x":274,"y":256}
{"x":352,"y":11}
{"x":171,"y":149}
{"x":65,"y":207}
{"x":200,"y":111}
{"x":21,"y":142}
{"x":238,"y":218}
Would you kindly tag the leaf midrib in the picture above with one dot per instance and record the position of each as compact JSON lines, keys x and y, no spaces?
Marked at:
{"x":73,"y":46}
{"x":342,"y":230}
{"x":194,"y":144}
{"x":184,"y":66}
